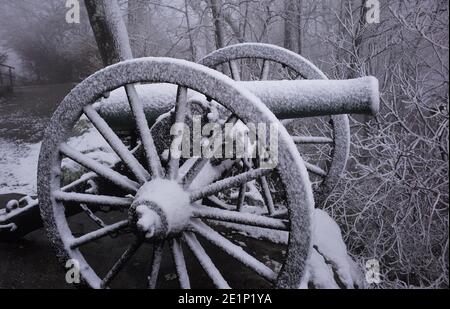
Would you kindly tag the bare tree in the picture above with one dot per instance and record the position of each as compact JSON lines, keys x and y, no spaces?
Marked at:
{"x":3,"y":57}
{"x":189,"y":31}
{"x":289,"y":24}
{"x":50,"y":49}
{"x":393,"y":203}
{"x":219,"y":28}
{"x":110,"y":31}
{"x":300,"y":26}
{"x":139,"y":26}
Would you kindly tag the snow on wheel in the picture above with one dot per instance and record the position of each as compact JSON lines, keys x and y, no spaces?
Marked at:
{"x":151,"y":217}
{"x":324,"y":142}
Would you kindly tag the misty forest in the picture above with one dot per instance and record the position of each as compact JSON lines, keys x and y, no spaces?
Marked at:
{"x":391,"y":204}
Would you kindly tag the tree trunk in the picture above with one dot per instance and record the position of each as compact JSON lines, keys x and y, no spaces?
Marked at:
{"x":358,"y":40}
{"x":109,"y":30}
{"x":188,"y":24}
{"x":289,"y":21}
{"x":139,"y":26}
{"x":300,"y":26}
{"x":219,"y":28}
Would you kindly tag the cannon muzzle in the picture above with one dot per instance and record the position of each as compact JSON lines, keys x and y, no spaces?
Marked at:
{"x":308,"y":98}
{"x":286,"y":99}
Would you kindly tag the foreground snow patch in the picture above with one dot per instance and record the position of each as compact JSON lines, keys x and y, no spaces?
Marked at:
{"x":18,"y":167}
{"x":330,"y":266}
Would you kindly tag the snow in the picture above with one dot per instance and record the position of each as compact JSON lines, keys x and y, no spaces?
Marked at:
{"x":157,"y":99}
{"x":306,"y":98}
{"x":312,"y":140}
{"x":274,"y":236}
{"x":180,"y":264}
{"x":209,"y":174}
{"x":264,"y":51}
{"x":144,"y":130}
{"x":93,"y":199}
{"x":148,"y":221}
{"x":117,"y":144}
{"x":286,"y":98}
{"x":18,"y":167}
{"x":227,"y":183}
{"x":252,"y":193}
{"x":166,"y":199}
{"x":93,"y":145}
{"x":330,"y":257}
{"x":101,"y":169}
{"x":239,"y":217}
{"x":319,"y":273}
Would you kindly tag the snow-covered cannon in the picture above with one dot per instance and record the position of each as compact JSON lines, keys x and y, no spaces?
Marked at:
{"x":138,"y":195}
{"x":285,"y":99}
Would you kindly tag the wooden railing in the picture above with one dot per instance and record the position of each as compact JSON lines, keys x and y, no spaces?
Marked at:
{"x":6,"y":78}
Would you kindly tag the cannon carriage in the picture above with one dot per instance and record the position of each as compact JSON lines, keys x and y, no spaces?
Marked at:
{"x":154,"y":198}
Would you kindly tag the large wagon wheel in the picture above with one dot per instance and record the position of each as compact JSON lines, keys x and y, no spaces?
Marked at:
{"x":274,"y":62}
{"x":151,"y":203}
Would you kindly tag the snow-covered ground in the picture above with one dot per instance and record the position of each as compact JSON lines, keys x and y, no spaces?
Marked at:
{"x":18,"y":166}
{"x":23,"y":117}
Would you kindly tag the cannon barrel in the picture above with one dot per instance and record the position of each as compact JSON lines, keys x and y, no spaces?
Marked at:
{"x":286,"y":99}
{"x":309,"y":98}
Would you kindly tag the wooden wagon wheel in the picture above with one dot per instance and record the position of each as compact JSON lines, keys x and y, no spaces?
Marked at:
{"x":326,"y":170}
{"x":151,"y":203}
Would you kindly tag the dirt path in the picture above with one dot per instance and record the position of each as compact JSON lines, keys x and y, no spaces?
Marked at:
{"x":25,"y":113}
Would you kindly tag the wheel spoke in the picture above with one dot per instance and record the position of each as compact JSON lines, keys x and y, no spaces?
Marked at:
{"x":108,"y":230}
{"x":121,"y":262}
{"x":158,"y":250}
{"x":234,"y":251}
{"x":117,"y":145}
{"x":180,"y":115}
{"x":180,"y":264}
{"x":205,"y":261}
{"x":312,"y":140}
{"x":90,"y":199}
{"x":83,"y":179}
{"x":217,"y":203}
{"x":90,"y":175}
{"x":265,"y":70}
{"x":243,"y":188}
{"x":193,"y":171}
{"x":239,"y":217}
{"x":106,"y":172}
{"x":146,"y":137}
{"x":315,"y":169}
{"x":267,"y":195}
{"x":228,"y":183}
{"x":235,"y":70}
{"x":258,"y":233}
{"x":241,"y":197}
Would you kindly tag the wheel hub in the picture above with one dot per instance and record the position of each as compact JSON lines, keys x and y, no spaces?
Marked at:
{"x":161,"y":208}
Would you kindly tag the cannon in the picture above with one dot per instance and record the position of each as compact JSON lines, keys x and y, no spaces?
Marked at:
{"x":155,"y":200}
